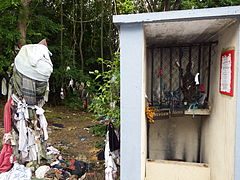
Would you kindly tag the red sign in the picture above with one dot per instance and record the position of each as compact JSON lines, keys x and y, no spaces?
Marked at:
{"x":227,"y":73}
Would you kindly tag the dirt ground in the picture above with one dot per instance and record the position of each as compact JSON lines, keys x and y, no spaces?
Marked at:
{"x":68,"y":133}
{"x":72,"y":138}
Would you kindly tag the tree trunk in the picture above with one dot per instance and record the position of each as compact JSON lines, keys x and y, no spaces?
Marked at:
{"x":102,"y":35}
{"x":74,"y":32}
{"x":176,"y":4}
{"x":167,"y":5}
{"x":150,"y":6}
{"x":81,"y":37}
{"x":23,"y":19}
{"x":61,"y":49}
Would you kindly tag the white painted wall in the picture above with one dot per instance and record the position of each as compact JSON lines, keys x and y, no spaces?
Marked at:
{"x":172,"y":170}
{"x":133,"y":122}
{"x":175,"y":138}
{"x":218,"y":139}
{"x":237,"y":137}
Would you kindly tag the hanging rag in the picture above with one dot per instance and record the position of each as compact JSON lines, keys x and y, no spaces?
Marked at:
{"x":33,"y":61}
{"x":4,"y":81}
{"x":7,"y":116}
{"x":6,"y":153}
{"x":21,"y":116}
{"x":114,"y":143}
{"x":5,"y":158}
{"x":31,"y":145}
{"x":43,"y":121}
{"x":4,"y":87}
{"x":107,"y":153}
{"x":111,"y":170}
{"x":33,"y":91}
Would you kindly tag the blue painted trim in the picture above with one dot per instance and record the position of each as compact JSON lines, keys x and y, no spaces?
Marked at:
{"x":237,"y":144}
{"x":131,"y":67}
{"x":179,"y":15}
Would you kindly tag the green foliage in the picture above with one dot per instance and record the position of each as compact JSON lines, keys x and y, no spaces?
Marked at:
{"x":101,"y":129}
{"x":100,"y":144}
{"x":126,"y":6}
{"x":8,"y":4}
{"x":98,"y":130}
{"x":8,"y":31}
{"x":196,"y":4}
{"x":106,"y":101}
{"x":73,"y":101}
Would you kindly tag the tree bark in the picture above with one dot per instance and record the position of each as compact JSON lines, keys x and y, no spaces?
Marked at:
{"x":61,"y":55}
{"x":150,"y":6}
{"x":74,"y":33}
{"x":102,"y":36}
{"x":167,"y":5}
{"x":176,"y":4}
{"x":81,"y":37}
{"x":23,"y":19}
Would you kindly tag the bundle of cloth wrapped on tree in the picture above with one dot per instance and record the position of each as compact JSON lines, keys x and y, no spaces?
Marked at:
{"x":24,"y":122}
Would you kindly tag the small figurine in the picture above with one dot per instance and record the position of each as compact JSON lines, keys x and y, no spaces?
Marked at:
{"x":188,"y":85}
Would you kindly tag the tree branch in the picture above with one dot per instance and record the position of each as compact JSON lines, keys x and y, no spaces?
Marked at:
{"x":176,"y":4}
{"x":167,"y":5}
{"x":150,"y":6}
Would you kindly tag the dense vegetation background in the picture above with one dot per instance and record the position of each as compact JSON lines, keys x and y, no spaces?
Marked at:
{"x":83,"y":40}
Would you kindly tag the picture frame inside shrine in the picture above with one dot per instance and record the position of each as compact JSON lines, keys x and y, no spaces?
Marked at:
{"x":226,"y":84}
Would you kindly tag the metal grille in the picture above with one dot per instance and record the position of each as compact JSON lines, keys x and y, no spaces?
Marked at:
{"x":165,"y":75}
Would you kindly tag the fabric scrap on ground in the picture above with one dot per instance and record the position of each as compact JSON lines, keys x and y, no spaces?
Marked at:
{"x":41,"y":171}
{"x":58,"y":125}
{"x":18,"y":172}
{"x":52,"y":150}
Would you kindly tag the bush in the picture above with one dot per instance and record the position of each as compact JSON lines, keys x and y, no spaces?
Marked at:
{"x":106,"y":101}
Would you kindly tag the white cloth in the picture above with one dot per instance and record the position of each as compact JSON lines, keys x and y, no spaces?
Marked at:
{"x":18,"y":172}
{"x":111,"y":170}
{"x":43,"y":121}
{"x":7,"y":137}
{"x":22,"y":110}
{"x":4,"y":87}
{"x":31,"y":146}
{"x":33,"y":154}
{"x":33,"y":61}
{"x":46,"y":93}
{"x":21,"y":125}
{"x":197,"y":79}
{"x":52,"y":150}
{"x":23,"y":139}
{"x":55,"y":163}
{"x":41,"y":171}
{"x":106,"y":152}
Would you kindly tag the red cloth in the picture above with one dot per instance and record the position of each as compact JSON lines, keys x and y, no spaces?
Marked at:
{"x":7,"y":116}
{"x":5,"y":155}
{"x":201,"y":88}
{"x":6,"y":152}
{"x":72,"y":167}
